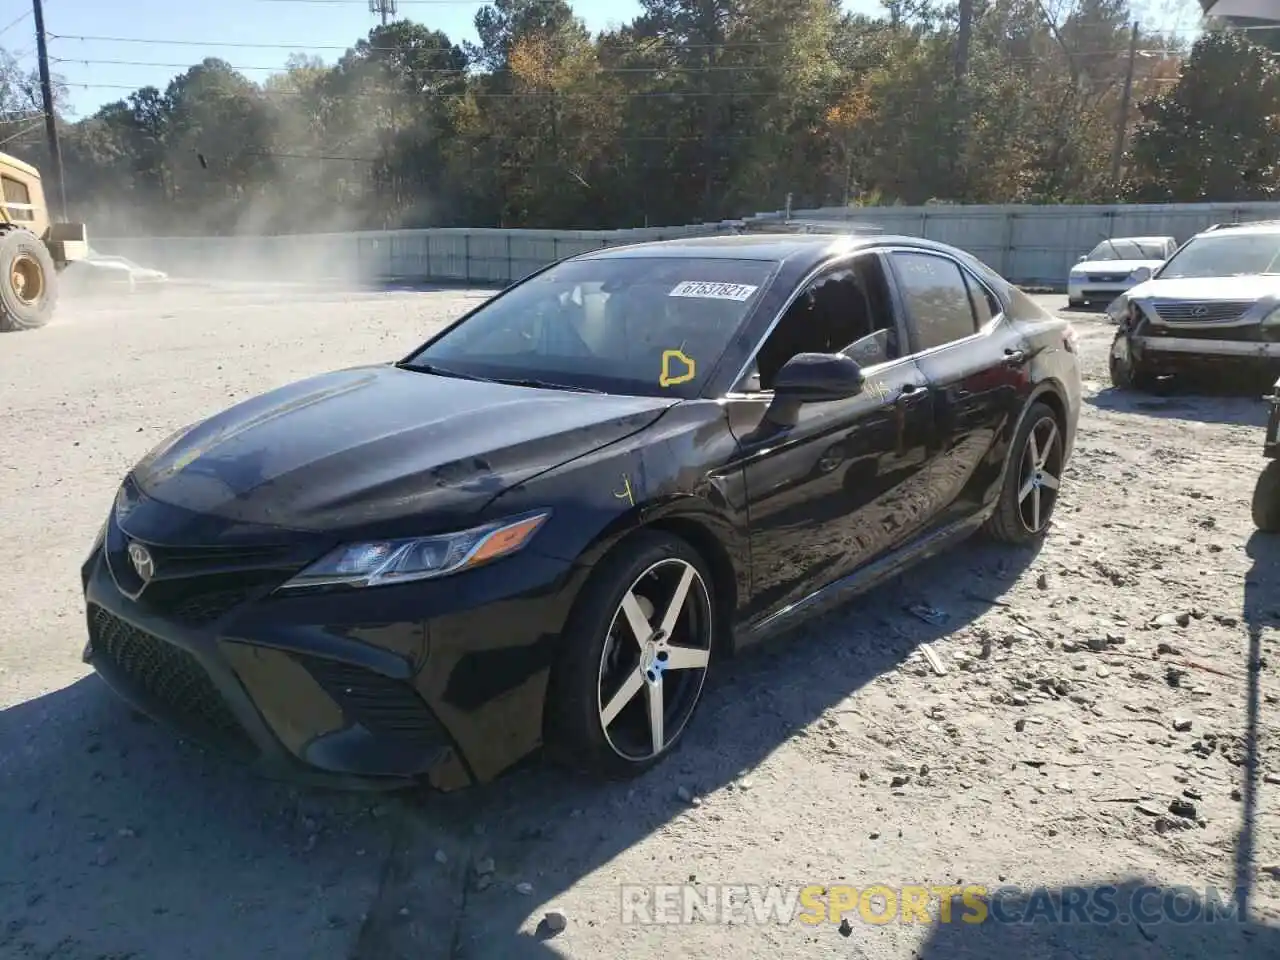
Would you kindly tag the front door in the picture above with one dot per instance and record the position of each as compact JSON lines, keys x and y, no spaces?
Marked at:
{"x":825,"y":494}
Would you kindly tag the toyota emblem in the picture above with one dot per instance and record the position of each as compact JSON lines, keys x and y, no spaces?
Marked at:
{"x":142,"y":562}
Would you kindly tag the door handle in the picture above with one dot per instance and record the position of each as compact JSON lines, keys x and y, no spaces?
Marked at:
{"x":1014,"y":357}
{"x":908,"y":391}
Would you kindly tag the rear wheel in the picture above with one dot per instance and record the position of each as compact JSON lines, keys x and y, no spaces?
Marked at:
{"x":634,"y":658}
{"x":1030,"y":490}
{"x":28,"y":281}
{"x":1266,"y":499}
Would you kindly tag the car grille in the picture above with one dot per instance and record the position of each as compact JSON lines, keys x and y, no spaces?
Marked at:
{"x":387,"y":707}
{"x":198,"y":586}
{"x":168,"y":679}
{"x":1201,"y":311}
{"x":1108,"y":277}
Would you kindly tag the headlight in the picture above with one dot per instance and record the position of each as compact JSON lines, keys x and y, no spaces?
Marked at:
{"x":381,"y":562}
{"x":1272,"y":318}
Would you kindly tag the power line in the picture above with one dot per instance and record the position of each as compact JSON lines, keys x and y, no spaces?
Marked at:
{"x":454,"y":71}
{"x":488,"y":96}
{"x":24,"y":131}
{"x":13,"y":23}
{"x":639,"y":46}
{"x":414,"y":3}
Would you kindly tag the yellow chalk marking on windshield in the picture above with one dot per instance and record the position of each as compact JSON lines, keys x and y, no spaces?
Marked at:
{"x":626,"y":493}
{"x":690,"y":368}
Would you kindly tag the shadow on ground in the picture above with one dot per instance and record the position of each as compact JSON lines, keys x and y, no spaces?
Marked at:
{"x":119,"y":841}
{"x":1239,"y":403}
{"x":1134,"y":919}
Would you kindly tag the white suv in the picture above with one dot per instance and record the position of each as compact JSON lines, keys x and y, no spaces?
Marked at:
{"x":1214,"y":304}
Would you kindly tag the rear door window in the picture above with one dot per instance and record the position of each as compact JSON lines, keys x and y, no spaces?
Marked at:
{"x":937,"y":298}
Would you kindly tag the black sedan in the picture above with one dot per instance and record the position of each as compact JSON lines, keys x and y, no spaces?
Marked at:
{"x":548,"y":523}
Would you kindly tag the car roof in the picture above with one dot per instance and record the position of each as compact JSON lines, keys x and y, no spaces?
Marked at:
{"x":1260,"y":226}
{"x":1134,"y":240}
{"x":805,"y":250}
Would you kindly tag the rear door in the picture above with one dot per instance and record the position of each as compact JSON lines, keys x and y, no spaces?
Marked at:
{"x":977,"y":365}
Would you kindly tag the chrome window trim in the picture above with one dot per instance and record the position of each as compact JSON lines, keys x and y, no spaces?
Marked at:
{"x":846,"y":256}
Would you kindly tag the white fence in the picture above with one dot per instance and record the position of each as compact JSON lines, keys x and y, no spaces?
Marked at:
{"x":1028,"y":244}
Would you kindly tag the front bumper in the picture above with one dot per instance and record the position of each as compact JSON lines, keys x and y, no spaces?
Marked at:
{"x":1094,"y":292}
{"x":442,"y":682}
{"x":1167,"y":354}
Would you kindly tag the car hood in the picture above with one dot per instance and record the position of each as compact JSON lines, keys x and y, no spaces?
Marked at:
{"x":1114,"y":266}
{"x":368,"y":445}
{"x":1253,"y":287}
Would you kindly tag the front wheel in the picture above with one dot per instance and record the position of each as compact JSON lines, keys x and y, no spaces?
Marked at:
{"x":1030,"y":491}
{"x":1127,"y":373}
{"x":28,"y":283}
{"x":634,"y":658}
{"x":1266,"y":499}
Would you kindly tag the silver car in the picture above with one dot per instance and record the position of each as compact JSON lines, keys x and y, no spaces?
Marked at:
{"x":1215,"y":305}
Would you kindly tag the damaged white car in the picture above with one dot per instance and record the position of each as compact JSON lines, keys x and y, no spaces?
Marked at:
{"x":1113,"y":266}
{"x":1214,"y":306}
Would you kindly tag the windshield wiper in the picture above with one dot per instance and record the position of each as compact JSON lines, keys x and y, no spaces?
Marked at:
{"x":438,"y":371}
{"x":544,"y":385}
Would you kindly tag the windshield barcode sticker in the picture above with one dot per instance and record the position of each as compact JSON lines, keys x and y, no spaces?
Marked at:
{"x":713,"y":291}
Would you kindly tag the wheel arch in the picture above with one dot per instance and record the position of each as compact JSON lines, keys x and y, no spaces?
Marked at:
{"x":697,"y":522}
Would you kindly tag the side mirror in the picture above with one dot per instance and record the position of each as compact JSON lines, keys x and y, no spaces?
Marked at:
{"x":1081,"y":259}
{"x":812,"y":378}
{"x":817,"y":377}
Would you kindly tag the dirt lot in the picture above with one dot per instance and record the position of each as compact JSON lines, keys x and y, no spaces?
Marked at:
{"x":1130,"y":663}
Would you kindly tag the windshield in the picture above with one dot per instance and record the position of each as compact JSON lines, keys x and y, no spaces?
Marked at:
{"x":1225,"y":255}
{"x":649,"y":326}
{"x":1127,"y":250}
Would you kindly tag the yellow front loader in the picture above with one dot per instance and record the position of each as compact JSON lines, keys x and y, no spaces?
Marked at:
{"x":33,"y":251}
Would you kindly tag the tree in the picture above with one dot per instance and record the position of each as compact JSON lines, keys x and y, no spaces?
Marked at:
{"x":1190,"y":147}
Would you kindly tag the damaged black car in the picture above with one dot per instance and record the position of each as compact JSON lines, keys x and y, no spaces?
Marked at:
{"x":548,"y":524}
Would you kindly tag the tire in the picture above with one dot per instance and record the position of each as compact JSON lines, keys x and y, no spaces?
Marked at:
{"x":600,"y":660}
{"x":1266,"y":499}
{"x":25,"y":264}
{"x":1126,"y":372}
{"x":1030,"y":492}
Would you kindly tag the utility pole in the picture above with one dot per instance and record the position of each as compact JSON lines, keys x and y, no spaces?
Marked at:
{"x":1122,"y":121}
{"x":963,"y":34}
{"x":50,"y":117}
{"x":386,"y":8}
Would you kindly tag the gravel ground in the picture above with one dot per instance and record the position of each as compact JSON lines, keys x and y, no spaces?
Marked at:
{"x":1128,"y":666}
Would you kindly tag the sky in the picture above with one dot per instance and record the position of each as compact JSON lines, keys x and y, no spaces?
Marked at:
{"x":179,"y":33}
{"x":153,"y":40}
